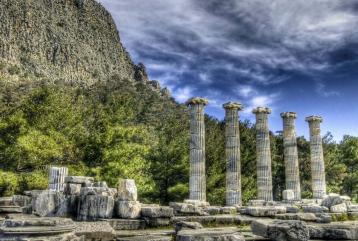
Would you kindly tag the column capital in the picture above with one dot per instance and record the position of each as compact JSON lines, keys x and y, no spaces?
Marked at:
{"x":197,"y":101}
{"x":314,"y":118}
{"x":288,"y":115}
{"x":233,"y":105}
{"x":259,"y":110}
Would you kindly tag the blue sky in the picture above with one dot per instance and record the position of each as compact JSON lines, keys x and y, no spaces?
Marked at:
{"x":299,"y":56}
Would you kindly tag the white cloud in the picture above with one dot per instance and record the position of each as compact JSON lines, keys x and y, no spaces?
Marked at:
{"x":183,"y":94}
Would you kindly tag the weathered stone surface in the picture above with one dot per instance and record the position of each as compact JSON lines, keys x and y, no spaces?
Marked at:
{"x":145,"y":238}
{"x":288,"y":195}
{"x":214,"y":234}
{"x":197,"y":178}
{"x":317,"y":158}
{"x":72,"y":188}
{"x":263,"y":154}
{"x":212,"y":210}
{"x":334,"y":231}
{"x":276,"y":230}
{"x":127,"y":190}
{"x":324,"y":218}
{"x":292,"y":209}
{"x":94,"y":207}
{"x":128,"y":209}
{"x":31,"y":229}
{"x":126,"y":224}
{"x":100,"y":230}
{"x":217,"y":219}
{"x":334,"y":199}
{"x":232,"y":153}
{"x":339,"y":208}
{"x":187,"y":225}
{"x":352,"y":208}
{"x":265,"y":211}
{"x":57,"y":178}
{"x":315,"y":209}
{"x":308,"y":217}
{"x":292,"y":175}
{"x":157,"y":222}
{"x":157,"y":212}
{"x":49,"y":204}
{"x":187,"y":209}
{"x":228,"y":210}
{"x":255,"y":203}
{"x":198,"y":203}
{"x":11,"y":209}
{"x":79,"y":179}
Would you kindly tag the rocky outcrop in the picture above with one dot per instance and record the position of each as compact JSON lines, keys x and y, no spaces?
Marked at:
{"x":66,"y":41}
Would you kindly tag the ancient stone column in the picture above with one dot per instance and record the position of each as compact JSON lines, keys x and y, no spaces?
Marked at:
{"x":57,"y":178}
{"x":197,"y":180}
{"x":292,"y":173}
{"x":317,"y":160}
{"x":263,"y":153}
{"x":232,"y":153}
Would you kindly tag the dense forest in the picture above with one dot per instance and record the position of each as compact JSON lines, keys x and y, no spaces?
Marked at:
{"x":123,"y":129}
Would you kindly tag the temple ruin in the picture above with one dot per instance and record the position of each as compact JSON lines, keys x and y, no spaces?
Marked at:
{"x":77,"y":208}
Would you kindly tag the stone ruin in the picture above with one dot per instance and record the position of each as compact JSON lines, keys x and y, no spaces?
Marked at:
{"x":80,"y":208}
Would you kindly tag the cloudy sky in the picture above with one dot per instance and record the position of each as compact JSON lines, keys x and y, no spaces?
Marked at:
{"x":299,"y":55}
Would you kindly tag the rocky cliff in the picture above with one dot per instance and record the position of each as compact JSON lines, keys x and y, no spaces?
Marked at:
{"x":62,"y":41}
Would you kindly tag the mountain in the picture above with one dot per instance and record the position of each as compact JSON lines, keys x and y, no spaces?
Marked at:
{"x":62,"y":41}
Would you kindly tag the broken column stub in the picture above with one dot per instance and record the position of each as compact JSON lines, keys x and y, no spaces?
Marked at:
{"x":232,"y":153}
{"x":263,"y":153}
{"x":95,"y":203}
{"x":127,"y":205}
{"x":292,"y":174}
{"x":317,"y":159}
{"x":197,"y":179}
{"x":57,"y":177}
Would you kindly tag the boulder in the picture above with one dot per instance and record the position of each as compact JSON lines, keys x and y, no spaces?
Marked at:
{"x":157,"y":212}
{"x":187,"y":225}
{"x":315,"y":209}
{"x":94,"y":207}
{"x":128,"y":209}
{"x":288,"y":230}
{"x":207,"y":234}
{"x":288,"y":195}
{"x":127,"y":190}
{"x":339,"y":208}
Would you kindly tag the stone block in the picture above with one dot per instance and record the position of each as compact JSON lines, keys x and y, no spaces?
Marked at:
{"x":265,"y":211}
{"x":334,"y":231}
{"x":292,"y":209}
{"x":334,"y":199}
{"x":21,"y":200}
{"x":157,"y":212}
{"x":145,"y":238}
{"x":288,"y":195}
{"x":99,"y":230}
{"x":187,"y":225}
{"x":100,"y":184}
{"x":210,"y":234}
{"x":228,"y":210}
{"x":256,"y":203}
{"x":95,"y":207}
{"x":157,"y":222}
{"x":72,"y":189}
{"x":197,"y":203}
{"x":128,"y":209}
{"x":288,"y":230}
{"x":187,"y":209}
{"x":307,"y":217}
{"x":49,"y":204}
{"x":324,"y":218}
{"x":212,"y":210}
{"x":79,"y":179}
{"x":315,"y":209}
{"x":339,"y":208}
{"x":127,"y":190}
{"x":127,"y":224}
{"x":352,"y":208}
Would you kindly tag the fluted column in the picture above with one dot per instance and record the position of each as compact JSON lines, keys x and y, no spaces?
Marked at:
{"x":57,"y":178}
{"x":317,"y":160}
{"x":232,"y":153}
{"x":197,"y":181}
{"x":263,"y":153}
{"x":292,"y":173}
